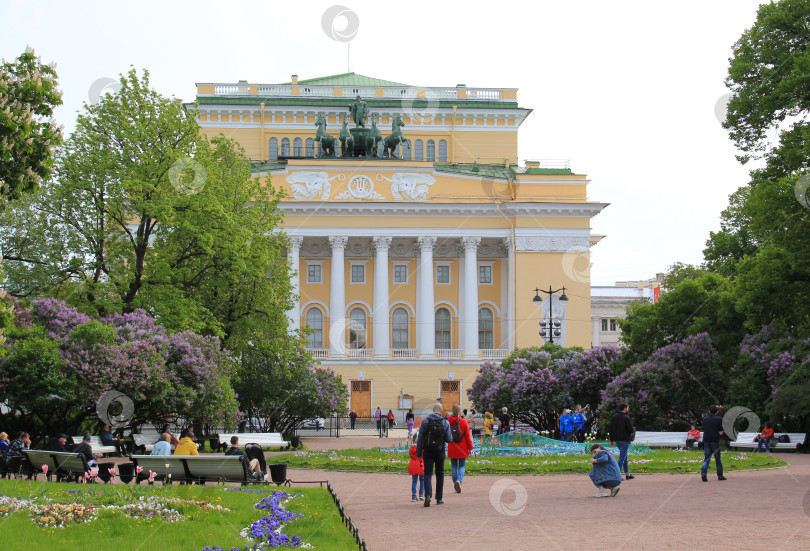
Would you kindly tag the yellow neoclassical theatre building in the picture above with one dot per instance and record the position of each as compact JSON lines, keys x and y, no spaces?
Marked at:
{"x":418,"y":238}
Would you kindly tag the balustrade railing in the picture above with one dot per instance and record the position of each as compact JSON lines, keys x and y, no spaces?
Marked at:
{"x":388,"y":92}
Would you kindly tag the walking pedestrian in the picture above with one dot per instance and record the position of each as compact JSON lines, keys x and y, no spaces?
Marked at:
{"x":416,"y":468}
{"x":566,"y":426}
{"x":458,"y":452}
{"x":433,"y":434}
{"x":409,"y":418}
{"x":712,"y":431}
{"x":622,"y":433}
{"x":489,"y":422}
{"x":352,"y":418}
{"x":378,"y":417}
{"x":578,"y":419}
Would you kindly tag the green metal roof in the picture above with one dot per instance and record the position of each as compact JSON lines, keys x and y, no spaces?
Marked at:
{"x":343,"y":102}
{"x":475,"y":169}
{"x":349,"y":79}
{"x":256,"y":166}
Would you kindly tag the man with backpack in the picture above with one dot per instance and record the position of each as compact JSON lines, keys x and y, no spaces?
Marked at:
{"x":434,"y":433}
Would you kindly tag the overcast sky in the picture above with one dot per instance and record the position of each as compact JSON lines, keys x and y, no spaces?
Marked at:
{"x":626,"y":90}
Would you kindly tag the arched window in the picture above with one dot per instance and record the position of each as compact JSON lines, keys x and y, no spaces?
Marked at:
{"x":298,"y":147}
{"x":399,"y":328}
{"x":272,"y":150}
{"x":431,"y":151}
{"x":310,"y":147}
{"x":418,"y":148}
{"x":315,"y":322}
{"x":485,"y":329}
{"x":406,"y":150}
{"x":285,"y":147}
{"x":357,"y":328}
{"x":442,"y":151}
{"x":442,"y":328}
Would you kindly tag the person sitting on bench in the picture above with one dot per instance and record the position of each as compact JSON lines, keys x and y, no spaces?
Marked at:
{"x":57,"y":444}
{"x":107,"y":439}
{"x":234,"y":450}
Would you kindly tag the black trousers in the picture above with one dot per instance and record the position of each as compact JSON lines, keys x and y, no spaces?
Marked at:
{"x":434,"y":459}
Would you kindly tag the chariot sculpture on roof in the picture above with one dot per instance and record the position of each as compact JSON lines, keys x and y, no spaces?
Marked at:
{"x":360,"y":141}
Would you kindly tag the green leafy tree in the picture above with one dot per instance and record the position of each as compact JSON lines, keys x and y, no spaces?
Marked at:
{"x":146,"y":213}
{"x":28,"y":95}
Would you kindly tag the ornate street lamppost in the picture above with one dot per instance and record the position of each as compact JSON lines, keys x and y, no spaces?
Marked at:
{"x":552,"y":325}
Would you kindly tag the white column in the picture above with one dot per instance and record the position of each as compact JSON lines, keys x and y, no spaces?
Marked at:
{"x":461,"y":304}
{"x":596,"y":328}
{"x":510,"y":295}
{"x":293,"y":263}
{"x":381,"y":323}
{"x":337,"y":297}
{"x":425,"y":318}
{"x":469,"y":323}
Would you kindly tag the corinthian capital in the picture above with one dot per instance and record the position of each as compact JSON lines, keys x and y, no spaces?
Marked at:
{"x":338,"y":241}
{"x":382,"y":243}
{"x":426,"y":242}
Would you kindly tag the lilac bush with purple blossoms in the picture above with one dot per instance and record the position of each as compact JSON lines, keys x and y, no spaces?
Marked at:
{"x":672,"y":388}
{"x":164,"y":374}
{"x":536,"y":384}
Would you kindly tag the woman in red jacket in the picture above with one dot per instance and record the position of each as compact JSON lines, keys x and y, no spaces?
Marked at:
{"x":458,"y":452}
{"x":417,"y":471}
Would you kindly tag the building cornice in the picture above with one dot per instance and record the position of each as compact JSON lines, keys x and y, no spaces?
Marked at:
{"x":477,"y":210}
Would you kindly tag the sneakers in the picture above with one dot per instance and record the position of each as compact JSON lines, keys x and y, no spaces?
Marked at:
{"x":414,"y":498}
{"x":721,"y":477}
{"x":602,"y":494}
{"x":614,"y":491}
{"x":440,"y":502}
{"x":421,"y":498}
{"x":458,"y":486}
{"x":629,"y":477}
{"x":427,"y":502}
{"x":703,"y":477}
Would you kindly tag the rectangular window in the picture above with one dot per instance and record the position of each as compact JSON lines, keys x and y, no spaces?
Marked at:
{"x":612,"y":325}
{"x":314,"y":273}
{"x":485,"y":274}
{"x":358,"y":274}
{"x":604,"y":324}
{"x":400,"y":273}
{"x":442,"y":274}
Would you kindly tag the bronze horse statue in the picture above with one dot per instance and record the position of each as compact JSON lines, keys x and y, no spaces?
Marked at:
{"x":327,"y":141}
{"x":346,"y":139}
{"x":396,"y":138}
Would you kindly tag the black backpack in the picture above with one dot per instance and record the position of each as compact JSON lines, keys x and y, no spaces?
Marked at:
{"x":434,"y":435}
{"x":455,"y":430}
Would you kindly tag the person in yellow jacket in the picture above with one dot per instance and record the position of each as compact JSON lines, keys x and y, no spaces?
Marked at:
{"x":489,"y":421}
{"x":187,"y":446}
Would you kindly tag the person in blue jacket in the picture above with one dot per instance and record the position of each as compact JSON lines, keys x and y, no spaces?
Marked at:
{"x":566,"y":426}
{"x":578,"y":418}
{"x":605,"y":473}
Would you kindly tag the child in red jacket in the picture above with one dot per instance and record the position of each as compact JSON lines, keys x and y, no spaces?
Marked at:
{"x":417,"y":471}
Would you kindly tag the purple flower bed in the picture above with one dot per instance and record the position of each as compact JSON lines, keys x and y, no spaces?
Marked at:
{"x":266,"y":532}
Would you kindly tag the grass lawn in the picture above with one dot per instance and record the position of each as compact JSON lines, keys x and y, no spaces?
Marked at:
{"x":662,"y":461}
{"x":190,"y":527}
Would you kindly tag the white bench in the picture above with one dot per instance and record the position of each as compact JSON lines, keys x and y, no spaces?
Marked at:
{"x":95,"y":443}
{"x":663,"y":439}
{"x":263,"y":439}
{"x":144,"y":442}
{"x":195,"y":468}
{"x":746,"y":440}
